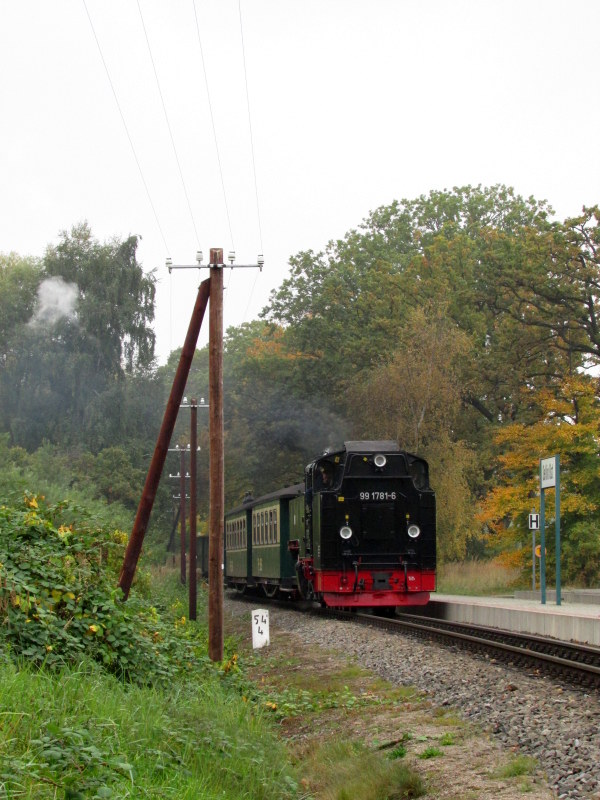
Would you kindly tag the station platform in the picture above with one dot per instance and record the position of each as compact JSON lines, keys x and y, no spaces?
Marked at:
{"x":571,"y":621}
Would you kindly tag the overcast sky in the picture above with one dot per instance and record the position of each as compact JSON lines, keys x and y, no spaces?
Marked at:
{"x":350,"y":104}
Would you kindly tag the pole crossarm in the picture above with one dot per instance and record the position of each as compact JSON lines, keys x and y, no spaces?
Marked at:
{"x":217,"y":264}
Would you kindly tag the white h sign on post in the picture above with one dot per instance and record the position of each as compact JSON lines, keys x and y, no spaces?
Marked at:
{"x":260,"y":628}
{"x":534,"y":522}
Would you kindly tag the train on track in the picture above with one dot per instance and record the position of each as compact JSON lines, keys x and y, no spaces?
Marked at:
{"x":360,"y":531}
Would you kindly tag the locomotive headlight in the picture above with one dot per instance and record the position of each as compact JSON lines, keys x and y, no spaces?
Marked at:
{"x":345,"y":531}
{"x":414,"y":531}
{"x":380,"y":461}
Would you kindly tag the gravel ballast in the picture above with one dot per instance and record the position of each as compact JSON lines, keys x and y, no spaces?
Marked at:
{"x":557,"y":724}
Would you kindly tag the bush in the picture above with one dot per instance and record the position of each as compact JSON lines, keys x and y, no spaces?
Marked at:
{"x":579,"y":556}
{"x":59,"y":601}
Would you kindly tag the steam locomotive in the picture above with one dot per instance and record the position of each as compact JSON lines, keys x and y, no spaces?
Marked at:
{"x":359,"y":532}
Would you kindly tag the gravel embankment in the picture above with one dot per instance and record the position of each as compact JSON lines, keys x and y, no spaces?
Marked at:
{"x":544,"y":718}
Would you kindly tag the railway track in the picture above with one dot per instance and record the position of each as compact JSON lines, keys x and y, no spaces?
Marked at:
{"x":577,"y":663}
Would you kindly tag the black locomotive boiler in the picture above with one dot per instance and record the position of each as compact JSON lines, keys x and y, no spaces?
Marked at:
{"x":359,"y":532}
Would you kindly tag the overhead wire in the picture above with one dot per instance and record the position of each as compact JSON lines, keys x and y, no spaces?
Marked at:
{"x":162,"y":100}
{"x":137,"y":161}
{"x":172,"y":138}
{"x":250,"y":125}
{"x":212,"y":120}
{"x":253,"y":157}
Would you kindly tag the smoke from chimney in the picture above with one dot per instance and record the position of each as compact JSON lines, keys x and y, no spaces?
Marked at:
{"x":56,"y":299}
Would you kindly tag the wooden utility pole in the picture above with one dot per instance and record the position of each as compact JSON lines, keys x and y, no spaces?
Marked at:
{"x":213,"y":288}
{"x":217,"y":477}
{"x":182,"y":537}
{"x":193,"y":455}
{"x":134,"y":546}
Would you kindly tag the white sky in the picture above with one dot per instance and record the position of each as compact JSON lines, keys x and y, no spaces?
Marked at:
{"x":353,"y":103}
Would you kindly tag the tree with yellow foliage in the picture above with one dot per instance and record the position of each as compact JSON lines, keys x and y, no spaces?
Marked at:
{"x":567,"y":424}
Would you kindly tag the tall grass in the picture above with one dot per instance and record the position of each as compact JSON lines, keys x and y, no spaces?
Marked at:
{"x":82,"y":733}
{"x":477,"y":578}
{"x":343,"y":770}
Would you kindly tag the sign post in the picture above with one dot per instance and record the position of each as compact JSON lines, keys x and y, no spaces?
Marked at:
{"x":534,"y":525}
{"x":549,"y":477}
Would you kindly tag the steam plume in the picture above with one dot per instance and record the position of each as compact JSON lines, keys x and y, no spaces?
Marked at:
{"x":56,"y":299}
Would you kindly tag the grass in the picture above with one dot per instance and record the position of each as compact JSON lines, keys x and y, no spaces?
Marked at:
{"x":338,"y":770}
{"x":85,"y":734}
{"x":77,"y":731}
{"x":431,"y":752}
{"x":517,"y":767}
{"x":476,"y":578}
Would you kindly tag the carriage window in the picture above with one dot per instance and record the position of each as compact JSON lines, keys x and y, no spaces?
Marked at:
{"x":271,"y":526}
{"x":275,"y":528}
{"x":253,"y":528}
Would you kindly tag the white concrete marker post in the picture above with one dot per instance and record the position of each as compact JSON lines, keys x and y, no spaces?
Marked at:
{"x":260,"y":628}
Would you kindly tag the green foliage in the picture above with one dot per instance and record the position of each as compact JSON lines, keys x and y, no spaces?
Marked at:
{"x":58,"y":601}
{"x":431,"y":752}
{"x":346,"y":770}
{"x":116,"y":298}
{"x":517,"y":766}
{"x":66,"y":349}
{"x":19,"y":279}
{"x":109,"y":699}
{"x":273,"y":430}
{"x":437,"y":322}
{"x":579,"y":553}
{"x":115,"y":477}
{"x":292,"y":702}
{"x":81,"y":733}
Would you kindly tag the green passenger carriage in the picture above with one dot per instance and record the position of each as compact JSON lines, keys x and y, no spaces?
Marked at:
{"x":257,"y":536}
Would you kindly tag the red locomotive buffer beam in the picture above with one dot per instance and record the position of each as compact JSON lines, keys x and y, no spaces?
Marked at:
{"x":365,"y":589}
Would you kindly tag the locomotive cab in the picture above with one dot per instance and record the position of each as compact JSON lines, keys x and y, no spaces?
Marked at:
{"x":369,"y":528}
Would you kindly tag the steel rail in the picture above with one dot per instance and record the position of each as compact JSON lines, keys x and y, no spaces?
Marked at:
{"x":474,"y":637}
{"x":480,"y":637}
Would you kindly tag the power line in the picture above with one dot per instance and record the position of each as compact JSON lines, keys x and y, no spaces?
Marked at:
{"x":137,"y":161}
{"x":212,"y":119}
{"x":253,"y":158}
{"x":250,"y":126}
{"x":162,"y":100}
